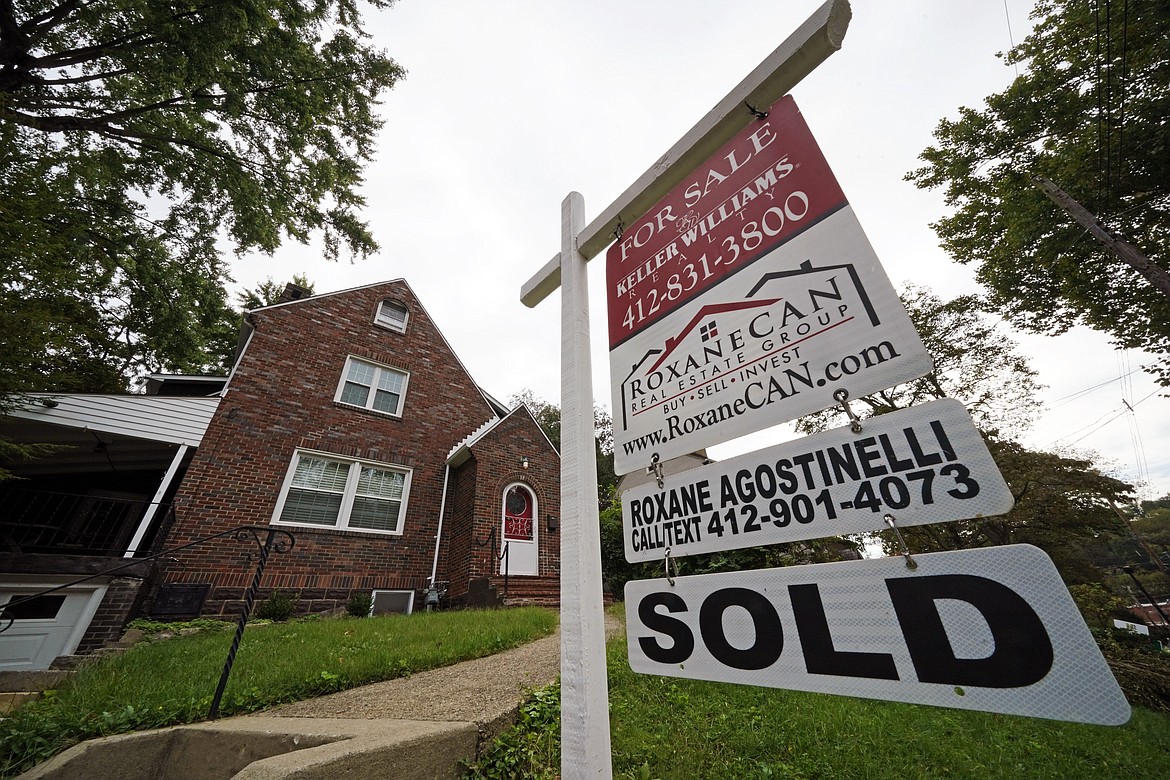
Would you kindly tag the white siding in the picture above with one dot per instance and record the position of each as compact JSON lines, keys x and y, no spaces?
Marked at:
{"x":172,"y":419}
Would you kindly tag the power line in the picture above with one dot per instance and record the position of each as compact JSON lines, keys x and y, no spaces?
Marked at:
{"x":1111,"y":419}
{"x":1073,"y":396}
{"x":1011,"y":38}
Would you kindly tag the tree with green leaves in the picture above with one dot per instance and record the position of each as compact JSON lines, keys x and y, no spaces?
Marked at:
{"x":1063,"y":505}
{"x":548,"y":417}
{"x":1088,"y":111}
{"x":268,"y":292}
{"x":1063,"y":501}
{"x":974,"y":361}
{"x":138,"y":140}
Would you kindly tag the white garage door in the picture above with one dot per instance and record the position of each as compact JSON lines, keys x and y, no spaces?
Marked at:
{"x":47,"y":626}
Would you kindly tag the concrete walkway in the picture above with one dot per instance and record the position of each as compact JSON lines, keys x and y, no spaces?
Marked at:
{"x":415,"y":728}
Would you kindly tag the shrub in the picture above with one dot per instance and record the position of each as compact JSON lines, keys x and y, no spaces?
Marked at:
{"x":278,"y":607}
{"x":359,"y":605}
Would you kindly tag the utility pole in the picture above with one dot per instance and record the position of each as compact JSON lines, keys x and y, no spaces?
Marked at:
{"x":1125,"y":251}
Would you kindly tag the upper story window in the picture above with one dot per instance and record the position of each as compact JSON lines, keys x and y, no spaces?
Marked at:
{"x":340,"y":493}
{"x":392,"y":315}
{"x":372,"y":386}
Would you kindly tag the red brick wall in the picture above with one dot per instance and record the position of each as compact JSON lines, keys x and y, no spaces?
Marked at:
{"x":462,"y":555}
{"x":281,"y":398}
{"x":500,"y":456}
{"x":112,"y":615}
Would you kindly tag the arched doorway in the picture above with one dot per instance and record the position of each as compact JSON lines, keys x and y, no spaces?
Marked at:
{"x":519,"y":531}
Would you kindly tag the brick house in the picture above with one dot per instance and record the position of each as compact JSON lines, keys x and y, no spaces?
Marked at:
{"x":347,"y":421}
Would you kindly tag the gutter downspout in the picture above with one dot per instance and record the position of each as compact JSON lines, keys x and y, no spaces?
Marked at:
{"x":439,"y":533}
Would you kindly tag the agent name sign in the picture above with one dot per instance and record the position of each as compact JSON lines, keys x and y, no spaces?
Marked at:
{"x":925,"y":464}
{"x":745,"y":298}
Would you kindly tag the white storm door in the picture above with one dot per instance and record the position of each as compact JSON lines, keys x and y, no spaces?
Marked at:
{"x":519,"y":533}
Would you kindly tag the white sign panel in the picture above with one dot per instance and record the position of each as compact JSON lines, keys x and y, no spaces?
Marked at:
{"x":767,"y":345}
{"x":746,"y":298}
{"x":991,"y":629}
{"x":925,"y":464}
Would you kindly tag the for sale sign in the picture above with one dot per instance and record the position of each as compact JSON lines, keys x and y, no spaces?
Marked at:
{"x":992,"y":629}
{"x":925,"y":464}
{"x":747,"y":297}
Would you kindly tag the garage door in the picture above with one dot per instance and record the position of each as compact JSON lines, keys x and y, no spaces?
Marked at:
{"x":45,"y":627}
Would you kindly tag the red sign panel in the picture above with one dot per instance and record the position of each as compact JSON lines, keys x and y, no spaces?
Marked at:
{"x":763,"y":187}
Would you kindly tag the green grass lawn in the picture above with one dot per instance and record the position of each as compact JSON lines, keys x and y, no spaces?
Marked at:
{"x":169,"y":682}
{"x":661,"y":727}
{"x":671,"y":728}
{"x":665,"y":728}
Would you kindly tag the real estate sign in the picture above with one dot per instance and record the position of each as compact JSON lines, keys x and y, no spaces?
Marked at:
{"x":747,"y":297}
{"x":925,"y":464}
{"x":991,"y":629}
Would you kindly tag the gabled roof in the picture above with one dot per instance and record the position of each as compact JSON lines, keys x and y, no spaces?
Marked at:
{"x":462,"y":451}
{"x":247,"y":327}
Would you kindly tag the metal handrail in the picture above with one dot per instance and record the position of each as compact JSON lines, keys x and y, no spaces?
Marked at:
{"x":241,"y":533}
{"x":503,"y":556}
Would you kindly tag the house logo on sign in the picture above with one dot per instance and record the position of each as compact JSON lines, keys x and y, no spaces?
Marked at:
{"x":741,"y":355}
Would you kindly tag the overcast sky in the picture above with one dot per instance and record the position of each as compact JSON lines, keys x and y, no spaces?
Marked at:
{"x":508,"y":106}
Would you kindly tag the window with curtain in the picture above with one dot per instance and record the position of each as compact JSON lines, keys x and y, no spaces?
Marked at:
{"x":339,"y":493}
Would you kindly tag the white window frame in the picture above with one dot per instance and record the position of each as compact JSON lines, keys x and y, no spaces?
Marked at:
{"x":379,"y":369}
{"x":348,"y":495}
{"x":388,"y":323}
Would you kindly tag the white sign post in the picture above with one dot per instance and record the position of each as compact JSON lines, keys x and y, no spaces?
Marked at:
{"x":991,"y":629}
{"x":584,"y":724}
{"x":585,"y":745}
{"x":925,"y":464}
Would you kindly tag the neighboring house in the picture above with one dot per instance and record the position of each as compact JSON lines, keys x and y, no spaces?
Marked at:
{"x":1151,"y":613}
{"x":348,"y":422}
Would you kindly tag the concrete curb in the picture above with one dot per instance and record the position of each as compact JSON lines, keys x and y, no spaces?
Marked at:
{"x":259,"y":748}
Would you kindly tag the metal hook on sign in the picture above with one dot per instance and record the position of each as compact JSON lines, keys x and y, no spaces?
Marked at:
{"x":841,"y":396}
{"x":655,"y":468}
{"x":757,"y":113}
{"x":670,"y":564}
{"x":910,"y":562}
{"x":618,"y":229}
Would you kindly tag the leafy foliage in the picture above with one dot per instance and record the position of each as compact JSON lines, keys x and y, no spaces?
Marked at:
{"x":278,"y":607}
{"x":531,"y":748}
{"x":973,"y":362}
{"x":1088,"y":112}
{"x":548,"y":417}
{"x":269,"y":291}
{"x":359,"y":605}
{"x":1062,"y":504}
{"x":135,"y":138}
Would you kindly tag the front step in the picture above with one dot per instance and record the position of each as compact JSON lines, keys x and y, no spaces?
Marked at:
{"x":529,"y":591}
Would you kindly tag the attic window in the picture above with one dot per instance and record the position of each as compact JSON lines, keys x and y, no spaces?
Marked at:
{"x":392,"y":315}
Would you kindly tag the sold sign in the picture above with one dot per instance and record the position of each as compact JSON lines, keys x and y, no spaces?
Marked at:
{"x":991,"y":629}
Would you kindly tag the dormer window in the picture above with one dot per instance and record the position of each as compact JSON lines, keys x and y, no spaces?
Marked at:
{"x":392,"y":315}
